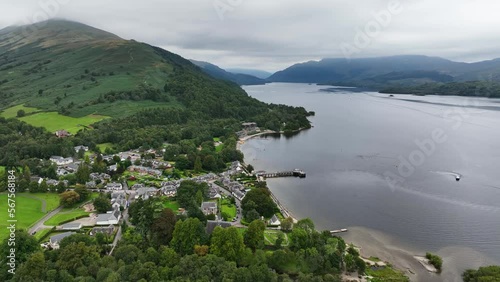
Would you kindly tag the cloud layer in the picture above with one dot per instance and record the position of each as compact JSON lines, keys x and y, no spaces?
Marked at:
{"x":273,"y":34}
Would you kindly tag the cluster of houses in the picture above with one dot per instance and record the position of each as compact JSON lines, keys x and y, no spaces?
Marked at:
{"x":237,"y":189}
{"x":248,"y":128}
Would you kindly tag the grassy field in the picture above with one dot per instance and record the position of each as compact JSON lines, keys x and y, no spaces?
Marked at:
{"x":386,"y":274}
{"x":28,"y":210}
{"x":102,"y":147}
{"x":51,"y":199}
{"x":228,"y":208}
{"x":2,"y":169}
{"x":64,"y":215}
{"x":53,"y":121}
{"x":12,"y":111}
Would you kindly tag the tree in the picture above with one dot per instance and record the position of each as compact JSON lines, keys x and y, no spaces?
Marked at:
{"x":252,"y":215}
{"x":102,"y":204}
{"x":33,"y":269}
{"x":69,"y":198}
{"x":209,"y":163}
{"x":197,"y":164}
{"x":83,"y":192}
{"x":262,"y":202}
{"x":33,"y":187}
{"x":227,"y":243}
{"x":163,"y":227}
{"x":21,"y":113}
{"x":254,"y":237}
{"x":201,"y":250}
{"x":43,"y":187}
{"x":287,"y":224}
{"x":250,"y":168}
{"x":279,"y":240}
{"x":187,"y":234}
{"x":83,"y":173}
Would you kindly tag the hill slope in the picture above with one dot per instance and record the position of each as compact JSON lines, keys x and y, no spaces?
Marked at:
{"x":67,"y":66}
{"x":238,"y":78}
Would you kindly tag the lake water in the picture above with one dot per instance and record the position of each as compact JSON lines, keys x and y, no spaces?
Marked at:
{"x":390,"y":164}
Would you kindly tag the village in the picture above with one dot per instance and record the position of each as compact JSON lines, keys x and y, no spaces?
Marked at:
{"x":143,"y":179}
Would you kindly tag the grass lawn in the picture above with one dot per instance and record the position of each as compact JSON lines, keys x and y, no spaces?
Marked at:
{"x":228,"y":208}
{"x":173,"y":205}
{"x":28,"y":211}
{"x":51,"y":199}
{"x":219,"y":148}
{"x":53,"y":121}
{"x":272,"y":235}
{"x":386,"y":274}
{"x":2,"y":169}
{"x":42,"y":232}
{"x":104,"y":146}
{"x":64,"y":215}
{"x":12,"y":112}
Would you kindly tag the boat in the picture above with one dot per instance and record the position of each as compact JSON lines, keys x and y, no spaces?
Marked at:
{"x":457,"y":178}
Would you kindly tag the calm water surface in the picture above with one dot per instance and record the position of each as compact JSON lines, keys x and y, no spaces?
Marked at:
{"x":358,"y":138}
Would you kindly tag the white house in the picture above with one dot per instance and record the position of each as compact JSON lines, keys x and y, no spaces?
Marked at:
{"x":109,"y":218}
{"x":274,"y":221}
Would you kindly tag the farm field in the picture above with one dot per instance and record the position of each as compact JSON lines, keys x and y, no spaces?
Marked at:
{"x":28,"y":210}
{"x":53,"y":121}
{"x":12,"y":111}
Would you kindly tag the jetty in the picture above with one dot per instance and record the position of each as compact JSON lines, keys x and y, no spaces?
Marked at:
{"x":295,"y":173}
{"x":338,"y":231}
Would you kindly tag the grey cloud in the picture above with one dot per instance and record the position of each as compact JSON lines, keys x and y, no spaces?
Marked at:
{"x":272,"y":34}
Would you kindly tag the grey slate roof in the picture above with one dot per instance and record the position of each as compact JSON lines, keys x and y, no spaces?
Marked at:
{"x":211,"y":224}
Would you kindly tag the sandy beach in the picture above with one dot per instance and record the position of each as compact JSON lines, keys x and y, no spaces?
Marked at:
{"x":401,"y":256}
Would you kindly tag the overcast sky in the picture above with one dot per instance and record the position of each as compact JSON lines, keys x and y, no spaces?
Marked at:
{"x":273,"y":34}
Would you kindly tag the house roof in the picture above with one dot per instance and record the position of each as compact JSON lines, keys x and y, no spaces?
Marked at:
{"x":274,"y":218}
{"x":211,"y":224}
{"x":57,"y":238}
{"x":71,"y":225}
{"x":208,"y":205}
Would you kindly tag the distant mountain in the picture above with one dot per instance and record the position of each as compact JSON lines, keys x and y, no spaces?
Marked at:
{"x":238,"y":78}
{"x":257,"y":73}
{"x":383,"y":71}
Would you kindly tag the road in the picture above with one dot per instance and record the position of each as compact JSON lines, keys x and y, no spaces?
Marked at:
{"x":223,"y":190}
{"x":39,"y":224}
{"x":125,"y":216}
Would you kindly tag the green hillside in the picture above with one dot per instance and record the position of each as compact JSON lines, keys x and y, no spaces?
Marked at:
{"x":65,"y":66}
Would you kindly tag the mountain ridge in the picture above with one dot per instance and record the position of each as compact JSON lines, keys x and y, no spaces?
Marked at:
{"x":361,"y":71}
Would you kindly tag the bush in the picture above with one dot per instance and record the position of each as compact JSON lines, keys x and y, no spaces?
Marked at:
{"x":21,"y":113}
{"x":435,"y":260}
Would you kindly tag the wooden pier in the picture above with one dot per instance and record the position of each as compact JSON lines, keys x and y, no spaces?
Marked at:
{"x":295,"y":173}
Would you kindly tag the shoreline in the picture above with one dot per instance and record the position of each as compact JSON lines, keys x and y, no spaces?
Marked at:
{"x":241,"y":140}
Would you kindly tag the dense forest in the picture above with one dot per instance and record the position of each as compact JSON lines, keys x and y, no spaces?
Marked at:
{"x":487,"y":89}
